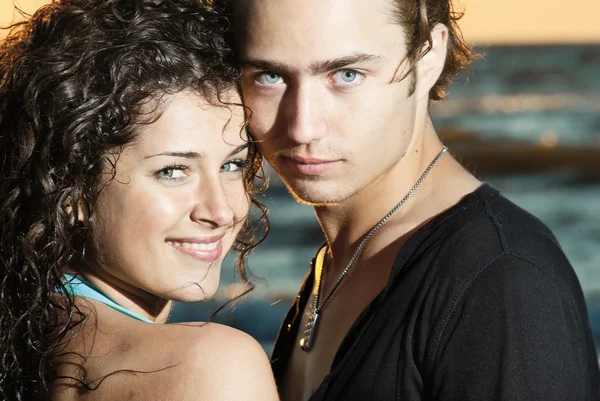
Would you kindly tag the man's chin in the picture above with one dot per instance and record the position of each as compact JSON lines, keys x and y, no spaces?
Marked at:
{"x":316,"y":193}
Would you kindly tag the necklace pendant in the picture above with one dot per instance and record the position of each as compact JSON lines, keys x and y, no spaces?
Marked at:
{"x":309,"y":332}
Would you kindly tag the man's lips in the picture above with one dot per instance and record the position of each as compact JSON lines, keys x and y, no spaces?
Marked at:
{"x":311,"y":160}
{"x":205,"y":249}
{"x":310,"y":165}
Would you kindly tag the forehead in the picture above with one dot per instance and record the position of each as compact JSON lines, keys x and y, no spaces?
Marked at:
{"x":303,"y":31}
{"x":187,"y":120}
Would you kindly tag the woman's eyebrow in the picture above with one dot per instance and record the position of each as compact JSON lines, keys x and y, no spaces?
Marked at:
{"x":187,"y":155}
{"x":195,"y":155}
{"x":239,"y":149}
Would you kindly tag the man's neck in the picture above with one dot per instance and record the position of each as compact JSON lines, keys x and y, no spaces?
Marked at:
{"x":345,"y":224}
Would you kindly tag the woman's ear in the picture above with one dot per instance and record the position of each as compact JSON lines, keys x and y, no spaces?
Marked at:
{"x":431,"y":64}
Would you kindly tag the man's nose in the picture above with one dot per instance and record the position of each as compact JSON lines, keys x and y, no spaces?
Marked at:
{"x":304,"y":114}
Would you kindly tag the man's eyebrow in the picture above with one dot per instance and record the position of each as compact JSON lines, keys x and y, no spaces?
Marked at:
{"x":267,"y":65}
{"x":315,"y":68}
{"x":321,"y":67}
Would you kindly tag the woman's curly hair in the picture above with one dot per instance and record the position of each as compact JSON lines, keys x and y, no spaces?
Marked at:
{"x":73,"y":80}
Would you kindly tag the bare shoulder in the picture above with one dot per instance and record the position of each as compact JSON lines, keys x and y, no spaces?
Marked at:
{"x":226,"y":363}
{"x":121,"y":358}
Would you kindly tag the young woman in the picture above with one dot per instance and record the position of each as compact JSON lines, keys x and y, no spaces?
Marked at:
{"x":125,"y":179}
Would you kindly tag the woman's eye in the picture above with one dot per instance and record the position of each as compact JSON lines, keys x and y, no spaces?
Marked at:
{"x":268,"y":79}
{"x":347,"y":77}
{"x":173,"y":173}
{"x":233,"y":166}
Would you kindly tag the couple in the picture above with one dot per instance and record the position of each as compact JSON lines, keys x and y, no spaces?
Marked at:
{"x":129,"y":169}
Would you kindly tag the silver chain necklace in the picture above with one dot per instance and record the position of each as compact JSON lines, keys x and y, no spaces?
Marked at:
{"x":308,"y":338}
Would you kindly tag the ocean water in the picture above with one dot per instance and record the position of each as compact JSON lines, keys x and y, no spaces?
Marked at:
{"x":524,"y":94}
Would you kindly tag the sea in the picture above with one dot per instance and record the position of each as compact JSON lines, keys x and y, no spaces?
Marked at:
{"x":528,"y":95}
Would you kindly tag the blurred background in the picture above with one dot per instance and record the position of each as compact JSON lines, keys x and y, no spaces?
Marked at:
{"x":528,"y":122}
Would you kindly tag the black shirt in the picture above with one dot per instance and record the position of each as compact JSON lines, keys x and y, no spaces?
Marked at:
{"x":482,"y":304}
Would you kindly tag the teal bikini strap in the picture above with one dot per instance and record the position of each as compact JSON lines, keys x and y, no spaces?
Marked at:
{"x":78,"y":287}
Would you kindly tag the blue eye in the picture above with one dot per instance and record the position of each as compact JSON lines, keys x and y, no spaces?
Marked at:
{"x":345,"y":77}
{"x":268,"y":79}
{"x":349,"y":76}
{"x":234,"y":166}
{"x":171,"y":173}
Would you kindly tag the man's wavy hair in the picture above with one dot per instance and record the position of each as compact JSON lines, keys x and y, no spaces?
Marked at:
{"x":418,"y":17}
{"x":74,"y":79}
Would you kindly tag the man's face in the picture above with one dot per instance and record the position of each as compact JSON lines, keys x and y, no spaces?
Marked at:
{"x":317,"y":76}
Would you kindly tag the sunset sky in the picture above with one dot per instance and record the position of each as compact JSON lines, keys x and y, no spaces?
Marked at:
{"x":486,"y":21}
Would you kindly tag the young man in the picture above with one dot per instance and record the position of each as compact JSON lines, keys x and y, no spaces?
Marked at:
{"x":457,"y":294}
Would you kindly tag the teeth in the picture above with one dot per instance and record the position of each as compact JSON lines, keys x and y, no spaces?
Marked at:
{"x":197,"y":247}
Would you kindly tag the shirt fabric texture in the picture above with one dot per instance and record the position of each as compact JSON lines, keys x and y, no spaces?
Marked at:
{"x":481,"y":305}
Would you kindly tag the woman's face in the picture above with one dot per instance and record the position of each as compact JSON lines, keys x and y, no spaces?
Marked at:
{"x":162,"y":226}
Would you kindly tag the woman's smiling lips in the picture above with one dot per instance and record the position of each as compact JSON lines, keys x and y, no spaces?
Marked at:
{"x":205,"y":249}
